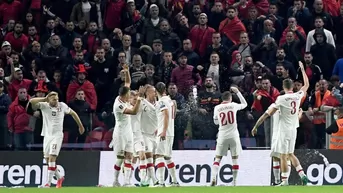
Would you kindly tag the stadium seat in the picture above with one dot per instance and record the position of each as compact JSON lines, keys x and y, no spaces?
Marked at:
{"x":94,"y":140}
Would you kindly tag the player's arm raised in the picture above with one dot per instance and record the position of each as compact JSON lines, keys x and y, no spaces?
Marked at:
{"x":135,"y":108}
{"x":35,"y":101}
{"x":243,"y":102}
{"x":305,"y":78}
{"x":77,"y":120}
{"x":127,"y":76}
{"x":265,"y":115}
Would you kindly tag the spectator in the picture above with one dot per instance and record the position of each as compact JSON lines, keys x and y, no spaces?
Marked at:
{"x":16,"y":83}
{"x":127,"y":49}
{"x":207,"y":99}
{"x":17,"y":39}
{"x":217,"y":47}
{"x":82,"y":108}
{"x":184,"y":76}
{"x":69,"y":36}
{"x":18,"y":121}
{"x":92,"y":38}
{"x":170,"y":41}
{"x":10,"y":10}
{"x":84,"y":10}
{"x":5,"y":102}
{"x":82,"y":83}
{"x":192,"y":57}
{"x":200,"y":35}
{"x":151,"y":25}
{"x":324,"y":54}
{"x":318,"y":133}
{"x":313,"y":71}
{"x":165,"y":69}
{"x":319,"y":24}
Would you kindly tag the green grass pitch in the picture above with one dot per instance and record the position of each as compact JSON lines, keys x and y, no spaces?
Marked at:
{"x":288,"y":189}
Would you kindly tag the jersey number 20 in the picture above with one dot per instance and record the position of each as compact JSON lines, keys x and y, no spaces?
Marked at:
{"x":226,"y":118}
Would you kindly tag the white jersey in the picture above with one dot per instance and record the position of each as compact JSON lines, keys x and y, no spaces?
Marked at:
{"x":123,"y":121}
{"x":225,"y":115}
{"x":136,"y":120}
{"x":275,"y":118}
{"x":288,"y":105}
{"x":53,"y":118}
{"x":148,"y":118}
{"x":165,"y":103}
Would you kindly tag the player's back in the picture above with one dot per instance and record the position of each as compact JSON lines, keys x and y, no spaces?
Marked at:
{"x":225,"y":114}
{"x":123,"y":121}
{"x":148,"y":117}
{"x":165,"y":103}
{"x":288,"y":105}
{"x":53,"y":118}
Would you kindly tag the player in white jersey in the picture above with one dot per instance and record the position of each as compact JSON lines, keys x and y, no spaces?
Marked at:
{"x":228,"y":136}
{"x":53,"y":113}
{"x":122,"y":139}
{"x":276,"y":156}
{"x":166,"y":111}
{"x":149,"y":129}
{"x":288,"y":105}
{"x":138,"y":141}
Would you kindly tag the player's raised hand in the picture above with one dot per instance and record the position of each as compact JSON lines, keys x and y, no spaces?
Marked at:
{"x":301,"y":65}
{"x":126,"y":67}
{"x":234,"y":89}
{"x":81,"y":130}
{"x":141,"y":91}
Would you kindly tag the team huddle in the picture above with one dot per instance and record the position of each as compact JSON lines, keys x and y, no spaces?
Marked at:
{"x":144,"y":131}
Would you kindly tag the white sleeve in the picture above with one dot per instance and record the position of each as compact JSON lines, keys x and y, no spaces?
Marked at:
{"x":271,"y":107}
{"x":301,"y":94}
{"x":119,"y":107}
{"x":162,"y":106}
{"x":243,"y":103}
{"x":42,"y":105}
{"x":66,"y":109}
{"x":278,"y":103}
{"x":215,"y":116}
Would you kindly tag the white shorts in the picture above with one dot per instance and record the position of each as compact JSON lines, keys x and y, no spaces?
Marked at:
{"x":52,"y":145}
{"x":223,"y":145}
{"x":164,"y":147}
{"x":285,"y":143}
{"x":122,"y":143}
{"x":138,"y":146}
{"x":150,"y":143}
{"x":273,"y":148}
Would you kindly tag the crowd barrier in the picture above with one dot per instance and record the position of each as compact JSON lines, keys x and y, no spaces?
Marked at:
{"x":83,"y":168}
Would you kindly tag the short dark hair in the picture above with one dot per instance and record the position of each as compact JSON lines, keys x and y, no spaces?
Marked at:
{"x":124,"y":90}
{"x":288,"y":83}
{"x":226,"y":95}
{"x":160,"y":87}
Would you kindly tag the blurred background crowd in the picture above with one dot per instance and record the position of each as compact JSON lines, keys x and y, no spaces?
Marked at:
{"x":199,"y":48}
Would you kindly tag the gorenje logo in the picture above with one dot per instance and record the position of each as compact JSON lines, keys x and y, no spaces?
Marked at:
{"x":318,"y":174}
{"x":25,"y":175}
{"x":197,"y":174}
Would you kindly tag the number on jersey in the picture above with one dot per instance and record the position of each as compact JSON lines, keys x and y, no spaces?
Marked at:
{"x":227,"y":118}
{"x":294,"y":107}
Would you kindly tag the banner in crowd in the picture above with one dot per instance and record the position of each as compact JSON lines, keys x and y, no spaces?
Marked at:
{"x":323,"y":167}
{"x":194,"y":168}
{"x":30,"y":170}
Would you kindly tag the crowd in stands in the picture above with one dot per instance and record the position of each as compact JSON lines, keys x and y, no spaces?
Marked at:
{"x":199,"y":48}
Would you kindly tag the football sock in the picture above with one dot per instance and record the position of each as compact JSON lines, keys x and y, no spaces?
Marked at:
{"x":171,"y":169}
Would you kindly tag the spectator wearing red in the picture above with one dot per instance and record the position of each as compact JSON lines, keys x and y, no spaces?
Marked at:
{"x":17,"y":39}
{"x":82,"y":84}
{"x":10,"y":9}
{"x":184,"y":76}
{"x":292,"y":26}
{"x":17,"y":83}
{"x":92,"y":38}
{"x":231,"y":27}
{"x":201,"y":35}
{"x":112,"y":15}
{"x":243,"y":7}
{"x":18,"y":120}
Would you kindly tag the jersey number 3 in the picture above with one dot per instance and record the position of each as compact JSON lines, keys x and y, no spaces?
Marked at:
{"x":227,"y":118}
{"x":294,"y":109}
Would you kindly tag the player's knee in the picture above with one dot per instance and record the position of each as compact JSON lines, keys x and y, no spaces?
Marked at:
{"x":234,"y":157}
{"x":142,"y":155}
{"x":167,"y":158}
{"x":148,"y":155}
{"x":276,"y":159}
{"x":52,"y":158}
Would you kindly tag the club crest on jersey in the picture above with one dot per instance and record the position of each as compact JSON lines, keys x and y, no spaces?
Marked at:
{"x":54,"y":113}
{"x":121,"y":107}
{"x":59,"y":109}
{"x":209,"y":99}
